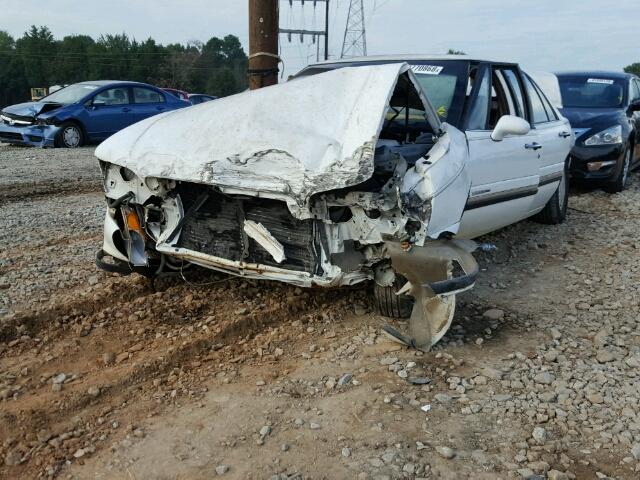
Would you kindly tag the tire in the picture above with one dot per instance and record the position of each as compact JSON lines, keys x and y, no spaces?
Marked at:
{"x":555,"y":211}
{"x":622,"y":180}
{"x":391,"y":305}
{"x":70,"y":135}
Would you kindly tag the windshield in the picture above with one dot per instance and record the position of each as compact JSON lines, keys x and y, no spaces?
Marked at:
{"x":591,"y":91}
{"x":444,"y":82}
{"x":70,"y":94}
{"x":439,"y":89}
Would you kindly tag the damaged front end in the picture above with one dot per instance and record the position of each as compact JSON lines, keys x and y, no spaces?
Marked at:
{"x":373,"y":188}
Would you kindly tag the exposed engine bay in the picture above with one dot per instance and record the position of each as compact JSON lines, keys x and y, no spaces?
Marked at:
{"x":382,"y":202}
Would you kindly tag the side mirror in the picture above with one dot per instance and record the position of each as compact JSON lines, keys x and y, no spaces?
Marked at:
{"x":635,"y":106}
{"x":510,"y":125}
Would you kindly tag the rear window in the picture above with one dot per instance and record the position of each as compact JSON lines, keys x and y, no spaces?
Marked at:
{"x":146,"y":95}
{"x":591,"y":91}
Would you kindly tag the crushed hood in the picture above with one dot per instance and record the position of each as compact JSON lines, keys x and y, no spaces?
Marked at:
{"x":30,"y":109}
{"x":288,"y":141}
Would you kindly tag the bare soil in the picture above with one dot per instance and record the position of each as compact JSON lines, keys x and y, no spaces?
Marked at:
{"x":174,"y":378}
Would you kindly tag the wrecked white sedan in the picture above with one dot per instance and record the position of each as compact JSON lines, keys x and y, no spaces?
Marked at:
{"x":334,"y":179}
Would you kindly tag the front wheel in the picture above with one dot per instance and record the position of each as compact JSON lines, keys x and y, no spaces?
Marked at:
{"x":70,"y":136}
{"x":622,"y":180}
{"x":555,"y":211}
{"x":390,"y":304}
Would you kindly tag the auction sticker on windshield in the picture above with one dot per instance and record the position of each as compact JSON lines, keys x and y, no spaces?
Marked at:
{"x":427,"y":69}
{"x":604,"y":81}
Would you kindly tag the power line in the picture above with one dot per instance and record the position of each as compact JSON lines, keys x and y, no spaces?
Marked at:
{"x":313,"y":33}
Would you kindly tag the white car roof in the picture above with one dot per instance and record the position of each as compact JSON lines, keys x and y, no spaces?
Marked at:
{"x":407,"y":58}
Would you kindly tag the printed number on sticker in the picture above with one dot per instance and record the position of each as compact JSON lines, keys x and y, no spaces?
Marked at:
{"x":427,"y":69}
{"x":600,"y":80}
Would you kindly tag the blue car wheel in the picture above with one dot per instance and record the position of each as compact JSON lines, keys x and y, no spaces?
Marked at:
{"x":70,"y":136}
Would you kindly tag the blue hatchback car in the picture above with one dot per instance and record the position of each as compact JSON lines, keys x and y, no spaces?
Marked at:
{"x":83,"y":112}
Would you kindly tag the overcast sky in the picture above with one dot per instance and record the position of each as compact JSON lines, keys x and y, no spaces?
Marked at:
{"x":540,"y":34}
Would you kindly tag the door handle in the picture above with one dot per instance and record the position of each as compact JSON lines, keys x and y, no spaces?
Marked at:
{"x":160,"y":108}
{"x":125,"y":109}
{"x":564,"y":134}
{"x":533,"y":146}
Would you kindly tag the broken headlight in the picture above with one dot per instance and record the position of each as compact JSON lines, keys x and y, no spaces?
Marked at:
{"x":415,"y":207}
{"x":44,"y":122}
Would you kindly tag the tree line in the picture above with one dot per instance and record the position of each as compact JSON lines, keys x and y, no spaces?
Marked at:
{"x":217,"y":67}
{"x":633,"y":68}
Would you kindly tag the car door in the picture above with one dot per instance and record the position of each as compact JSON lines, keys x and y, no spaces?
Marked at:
{"x":108,"y":112}
{"x":555,"y":138}
{"x":635,"y":116}
{"x":504,"y":174}
{"x":147,"y":102}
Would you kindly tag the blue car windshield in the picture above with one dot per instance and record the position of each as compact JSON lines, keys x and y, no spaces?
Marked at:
{"x":591,"y":91}
{"x":70,"y":94}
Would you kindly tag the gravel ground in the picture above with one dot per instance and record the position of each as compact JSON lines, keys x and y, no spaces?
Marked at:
{"x":28,"y":172}
{"x":107,"y":377}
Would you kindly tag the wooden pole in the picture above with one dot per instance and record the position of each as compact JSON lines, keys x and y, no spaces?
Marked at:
{"x":263,"y":43}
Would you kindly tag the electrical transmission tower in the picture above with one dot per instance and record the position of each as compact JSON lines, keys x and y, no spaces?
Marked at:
{"x":355,"y":35}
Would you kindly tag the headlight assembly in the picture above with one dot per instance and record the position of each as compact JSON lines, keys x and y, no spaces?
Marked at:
{"x":126,"y":174}
{"x":610,"y":136}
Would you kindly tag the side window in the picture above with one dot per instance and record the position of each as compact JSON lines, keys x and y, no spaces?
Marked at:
{"x":516,"y":91}
{"x":113,"y":96}
{"x":538,"y":112}
{"x":635,"y":90}
{"x":501,"y":100}
{"x":146,"y":95}
{"x":479,"y":111}
{"x":551,"y":113}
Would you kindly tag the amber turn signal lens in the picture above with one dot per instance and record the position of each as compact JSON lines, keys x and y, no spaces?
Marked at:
{"x":133,"y":222}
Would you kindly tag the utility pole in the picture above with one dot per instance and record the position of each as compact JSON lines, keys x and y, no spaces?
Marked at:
{"x":263,"y":43}
{"x":313,"y":33}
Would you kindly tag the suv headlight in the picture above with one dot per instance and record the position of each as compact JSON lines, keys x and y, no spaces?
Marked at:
{"x":610,"y":136}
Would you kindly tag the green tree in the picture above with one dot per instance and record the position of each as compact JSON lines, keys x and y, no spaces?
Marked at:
{"x":177,"y":67}
{"x":222,"y":83}
{"x":12,"y":81}
{"x":633,"y":68}
{"x":147,"y":58}
{"x":37,"y":59}
{"x":220,"y":59}
{"x":72,"y":59}
{"x":109,"y":57}
{"x":37,"y":48}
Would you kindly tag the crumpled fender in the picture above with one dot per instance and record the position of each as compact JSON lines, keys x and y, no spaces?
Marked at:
{"x":442,"y":179}
{"x":428,"y":269}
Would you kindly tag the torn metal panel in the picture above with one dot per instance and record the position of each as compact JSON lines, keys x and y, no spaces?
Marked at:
{"x":289,"y":141}
{"x":428,"y":269}
{"x":260,"y":234}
